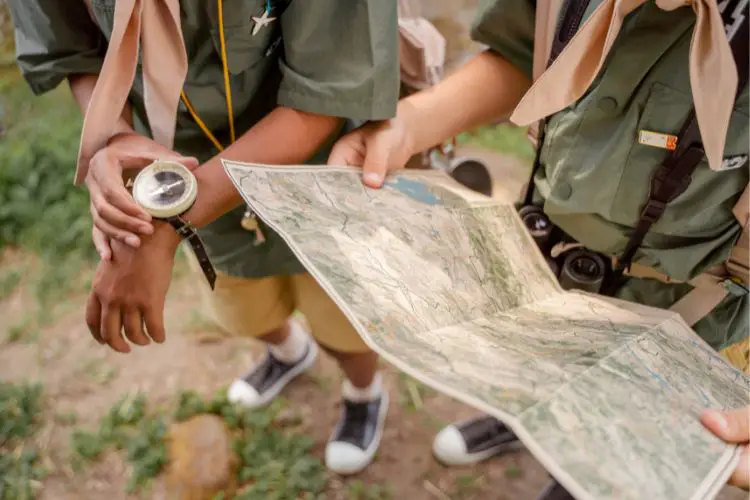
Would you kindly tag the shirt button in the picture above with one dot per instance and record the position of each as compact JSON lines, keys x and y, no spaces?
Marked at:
{"x":607,"y":104}
{"x":563,"y":191}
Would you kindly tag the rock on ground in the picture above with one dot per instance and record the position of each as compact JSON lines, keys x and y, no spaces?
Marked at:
{"x":202,"y":463}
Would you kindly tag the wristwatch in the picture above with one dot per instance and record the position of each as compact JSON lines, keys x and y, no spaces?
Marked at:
{"x":166,"y":190}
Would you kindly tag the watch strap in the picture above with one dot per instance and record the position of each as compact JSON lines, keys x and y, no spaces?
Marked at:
{"x":188,"y":233}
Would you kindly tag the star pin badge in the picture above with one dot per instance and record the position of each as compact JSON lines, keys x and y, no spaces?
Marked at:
{"x":262,"y":21}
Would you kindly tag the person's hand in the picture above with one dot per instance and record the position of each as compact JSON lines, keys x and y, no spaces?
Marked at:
{"x":130,"y":290}
{"x":116,"y":215}
{"x":733,"y":426}
{"x":377,"y":147}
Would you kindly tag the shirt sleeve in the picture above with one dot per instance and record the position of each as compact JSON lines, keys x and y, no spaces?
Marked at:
{"x":341,"y":58}
{"x":54,"y":40}
{"x":507,"y":27}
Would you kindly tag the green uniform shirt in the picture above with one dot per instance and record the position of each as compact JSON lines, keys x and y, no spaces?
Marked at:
{"x":595,"y":174}
{"x":335,"y":58}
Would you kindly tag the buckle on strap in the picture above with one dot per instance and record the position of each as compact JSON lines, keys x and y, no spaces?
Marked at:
{"x":653,"y":210}
{"x":734,"y":287}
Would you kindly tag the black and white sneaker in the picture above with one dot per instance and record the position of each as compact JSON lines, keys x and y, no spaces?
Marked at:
{"x":266,"y":380}
{"x":555,"y":491}
{"x":356,"y":438}
{"x":473,"y":440}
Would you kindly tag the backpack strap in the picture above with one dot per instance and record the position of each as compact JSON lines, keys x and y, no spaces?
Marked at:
{"x":730,"y":278}
{"x":555,"y":24}
{"x":670,"y":180}
{"x":544,"y":32}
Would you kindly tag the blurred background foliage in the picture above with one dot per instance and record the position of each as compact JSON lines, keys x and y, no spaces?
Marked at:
{"x":44,"y":215}
{"x":40,"y":209}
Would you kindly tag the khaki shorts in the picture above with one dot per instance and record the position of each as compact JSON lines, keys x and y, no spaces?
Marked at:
{"x":253,"y":307}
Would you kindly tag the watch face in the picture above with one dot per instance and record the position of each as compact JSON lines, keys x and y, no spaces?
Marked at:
{"x":165,"y":189}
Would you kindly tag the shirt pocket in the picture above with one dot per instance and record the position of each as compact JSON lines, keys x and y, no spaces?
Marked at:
{"x":702,"y":206}
{"x":246,"y":44}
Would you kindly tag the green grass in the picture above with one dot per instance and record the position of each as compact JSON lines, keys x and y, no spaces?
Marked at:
{"x":512,"y":471}
{"x":360,"y":491}
{"x":505,"y":139}
{"x":20,"y":422}
{"x":41,"y":211}
{"x":126,"y":427}
{"x":467,"y":485}
{"x":412,"y":393}
{"x":275,"y":460}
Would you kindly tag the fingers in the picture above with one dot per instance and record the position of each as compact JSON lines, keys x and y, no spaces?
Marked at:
{"x":741,"y":475}
{"x":348,"y":150}
{"x":154,"y":318}
{"x":375,"y":165}
{"x":119,"y":220}
{"x":110,"y":231}
{"x":112,"y":328}
{"x":732,"y":426}
{"x":107,"y":189}
{"x":109,"y":219}
{"x":106,"y":322}
{"x":106,"y":186}
{"x":375,"y":170}
{"x":93,"y":317}
{"x":379,"y":159}
{"x":133,"y":323}
{"x":101,"y":243}
{"x":143,"y":158}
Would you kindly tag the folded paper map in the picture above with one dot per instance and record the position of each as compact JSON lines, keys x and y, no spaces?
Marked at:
{"x":449,"y":287}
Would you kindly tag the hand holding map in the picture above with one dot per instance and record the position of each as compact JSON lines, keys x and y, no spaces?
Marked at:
{"x":449,"y":287}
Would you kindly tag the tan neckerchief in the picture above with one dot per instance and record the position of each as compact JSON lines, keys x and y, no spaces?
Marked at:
{"x":155,"y":26}
{"x":711,"y":64}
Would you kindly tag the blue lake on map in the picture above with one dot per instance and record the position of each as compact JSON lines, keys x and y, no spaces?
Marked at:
{"x":417,"y":191}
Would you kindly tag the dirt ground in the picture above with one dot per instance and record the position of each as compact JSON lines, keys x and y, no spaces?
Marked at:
{"x":79,"y":375}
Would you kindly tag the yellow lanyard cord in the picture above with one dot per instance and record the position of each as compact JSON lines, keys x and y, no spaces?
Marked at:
{"x":200,"y":123}
{"x":227,"y":90}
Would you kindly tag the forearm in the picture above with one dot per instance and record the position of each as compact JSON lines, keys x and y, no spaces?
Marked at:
{"x":285,"y":136}
{"x":485,"y":89}
{"x":82,"y":87}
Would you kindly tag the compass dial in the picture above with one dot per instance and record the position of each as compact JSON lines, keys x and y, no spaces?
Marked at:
{"x":165,"y":189}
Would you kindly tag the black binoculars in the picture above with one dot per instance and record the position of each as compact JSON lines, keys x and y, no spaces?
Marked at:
{"x":575,"y":267}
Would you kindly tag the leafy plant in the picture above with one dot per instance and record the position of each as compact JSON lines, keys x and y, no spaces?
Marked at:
{"x":512,"y":472}
{"x":412,"y":393}
{"x":127,"y":426}
{"x":147,"y":452}
{"x":274,"y":463}
{"x":20,"y":412}
{"x":20,"y":407}
{"x":41,"y":211}
{"x":9,"y":280}
{"x":360,"y":491}
{"x":39,"y":206}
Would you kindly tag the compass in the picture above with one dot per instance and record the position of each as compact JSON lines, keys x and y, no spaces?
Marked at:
{"x":165,"y":189}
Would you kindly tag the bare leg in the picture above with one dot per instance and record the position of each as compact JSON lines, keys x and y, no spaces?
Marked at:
{"x":359,"y":368}
{"x":277,"y":336}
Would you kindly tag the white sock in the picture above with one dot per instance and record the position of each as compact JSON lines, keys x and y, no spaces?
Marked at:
{"x":295,"y":345}
{"x":361,"y":395}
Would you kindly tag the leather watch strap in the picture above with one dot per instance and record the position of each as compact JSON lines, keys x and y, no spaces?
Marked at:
{"x":188,"y":233}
